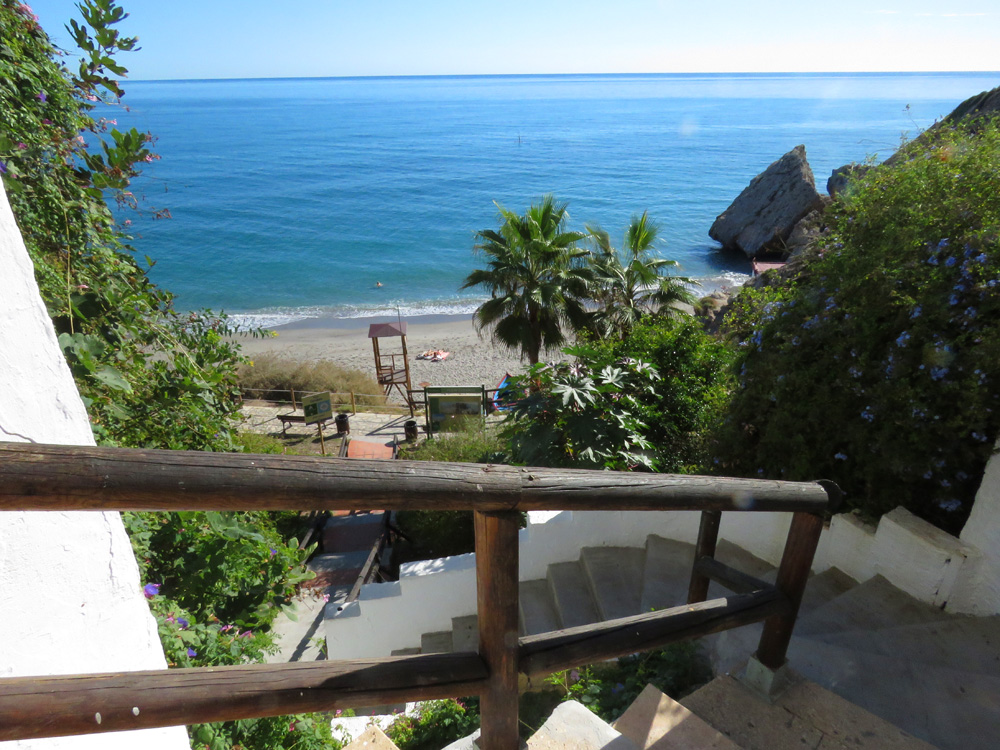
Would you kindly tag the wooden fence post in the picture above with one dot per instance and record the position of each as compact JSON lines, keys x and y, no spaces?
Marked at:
{"x":496,"y":586}
{"x":708,"y":536}
{"x":796,"y":562}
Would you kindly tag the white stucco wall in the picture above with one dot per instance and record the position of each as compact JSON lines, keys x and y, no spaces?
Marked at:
{"x":979,"y":591}
{"x":69,"y":584}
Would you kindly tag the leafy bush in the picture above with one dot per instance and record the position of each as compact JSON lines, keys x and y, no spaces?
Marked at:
{"x":646,"y":400}
{"x":608,"y":689}
{"x":272,"y":375}
{"x":437,"y":724}
{"x":879,"y":367}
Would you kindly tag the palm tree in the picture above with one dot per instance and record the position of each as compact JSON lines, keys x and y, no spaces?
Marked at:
{"x":537,"y":278}
{"x":632,"y":283}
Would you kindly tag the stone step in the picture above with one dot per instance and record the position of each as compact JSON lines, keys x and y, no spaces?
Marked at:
{"x":869,"y":606}
{"x":571,"y":725}
{"x":655,"y":721}
{"x":666,"y":573}
{"x":465,"y":633}
{"x":737,"y":557}
{"x":804,"y":716}
{"x":730,"y":649}
{"x":406,"y":651}
{"x":953,"y":709}
{"x":537,"y":611}
{"x":571,"y":595}
{"x":970,"y":644}
{"x":436,"y":643}
{"x":614,"y":575}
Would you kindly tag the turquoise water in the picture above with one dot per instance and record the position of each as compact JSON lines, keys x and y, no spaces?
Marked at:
{"x":291,"y":198}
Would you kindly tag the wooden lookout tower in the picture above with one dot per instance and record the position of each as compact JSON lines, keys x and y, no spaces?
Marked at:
{"x":392,"y":370}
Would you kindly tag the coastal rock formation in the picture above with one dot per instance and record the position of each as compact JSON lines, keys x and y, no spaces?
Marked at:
{"x":808,"y":230}
{"x":841,"y":176}
{"x":762,"y":217}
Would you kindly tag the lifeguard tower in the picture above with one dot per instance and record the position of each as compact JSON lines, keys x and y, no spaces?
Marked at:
{"x":393,"y":369}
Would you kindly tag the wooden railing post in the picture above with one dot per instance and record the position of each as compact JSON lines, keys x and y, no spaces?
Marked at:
{"x":496,"y":585}
{"x":708,"y":536}
{"x":796,"y":562}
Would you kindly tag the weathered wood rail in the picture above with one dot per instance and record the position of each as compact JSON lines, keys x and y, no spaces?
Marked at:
{"x":48,"y":477}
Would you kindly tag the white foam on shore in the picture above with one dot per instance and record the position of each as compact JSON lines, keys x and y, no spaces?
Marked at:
{"x":277,"y":317}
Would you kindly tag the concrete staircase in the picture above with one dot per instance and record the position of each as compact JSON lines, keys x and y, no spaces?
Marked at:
{"x":935,"y":675}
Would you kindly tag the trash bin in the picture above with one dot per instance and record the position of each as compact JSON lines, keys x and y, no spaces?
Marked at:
{"x":343,"y":423}
{"x":410,"y":430}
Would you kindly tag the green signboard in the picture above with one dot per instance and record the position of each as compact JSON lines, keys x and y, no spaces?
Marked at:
{"x":317,"y":407}
{"x":449,"y":406}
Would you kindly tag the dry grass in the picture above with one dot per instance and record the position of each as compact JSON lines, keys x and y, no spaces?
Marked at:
{"x":274,"y":376}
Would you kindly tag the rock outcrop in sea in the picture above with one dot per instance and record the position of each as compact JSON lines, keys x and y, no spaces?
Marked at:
{"x":762,"y":217}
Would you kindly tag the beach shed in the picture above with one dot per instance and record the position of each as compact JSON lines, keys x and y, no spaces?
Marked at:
{"x":392,"y":369}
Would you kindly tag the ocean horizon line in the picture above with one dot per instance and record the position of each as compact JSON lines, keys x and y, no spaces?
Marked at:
{"x":469,"y":76}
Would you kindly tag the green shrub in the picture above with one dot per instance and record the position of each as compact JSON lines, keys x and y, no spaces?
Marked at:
{"x":274,"y":376}
{"x":609,"y":688}
{"x":880,"y":367}
{"x":436,"y":724}
{"x":646,"y":400}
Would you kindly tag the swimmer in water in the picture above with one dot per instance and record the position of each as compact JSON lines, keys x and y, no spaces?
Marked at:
{"x":378,"y":283}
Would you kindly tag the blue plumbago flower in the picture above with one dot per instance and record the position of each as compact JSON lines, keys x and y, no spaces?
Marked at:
{"x":950,"y":505}
{"x":903,"y":338}
{"x":943,"y":243}
{"x":795,"y":341}
{"x":979,"y":437}
{"x":950,"y":261}
{"x":938,"y":373}
{"x":840,"y":456}
{"x":992,"y":283}
{"x":928,"y":474}
{"x":953,"y":300}
{"x":961,"y":476}
{"x":830,"y":303}
{"x":945,"y":483}
{"x":933,"y":260}
{"x":811,"y":322}
{"x":981,"y":258}
{"x":867,"y":414}
{"x":972,"y":312}
{"x":919,"y":413}
{"x":854,"y":372}
{"x":847,"y":316}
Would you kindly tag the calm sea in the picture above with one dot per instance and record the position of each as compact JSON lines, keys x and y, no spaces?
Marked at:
{"x":292,"y":198}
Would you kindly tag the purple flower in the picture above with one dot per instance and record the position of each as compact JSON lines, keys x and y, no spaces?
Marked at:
{"x":840,"y":456}
{"x":273,"y":551}
{"x":903,"y":338}
{"x":192,"y":652}
{"x":3,"y":168}
{"x":868,"y":415}
{"x":183,"y":623}
{"x":42,"y":96}
{"x":950,"y":261}
{"x":150,"y":590}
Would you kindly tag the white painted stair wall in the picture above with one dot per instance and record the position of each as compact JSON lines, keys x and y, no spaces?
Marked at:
{"x":926,"y":563}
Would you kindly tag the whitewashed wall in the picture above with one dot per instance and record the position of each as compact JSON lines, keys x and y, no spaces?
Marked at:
{"x":69,"y":584}
{"x":960,"y":575}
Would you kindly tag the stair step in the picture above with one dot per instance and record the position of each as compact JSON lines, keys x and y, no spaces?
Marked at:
{"x":655,"y":721}
{"x":436,"y":643}
{"x":730,"y":649}
{"x":970,"y":644}
{"x":804,"y":716}
{"x":737,"y":557}
{"x":571,"y":725}
{"x":572,"y":598}
{"x":948,"y":707}
{"x":615,"y":578}
{"x":538,"y":613}
{"x":872,"y":605}
{"x":666,"y":573}
{"x":465,"y":633}
{"x":406,"y":651}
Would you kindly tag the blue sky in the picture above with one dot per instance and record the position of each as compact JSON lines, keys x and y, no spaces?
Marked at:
{"x":258,"y":38}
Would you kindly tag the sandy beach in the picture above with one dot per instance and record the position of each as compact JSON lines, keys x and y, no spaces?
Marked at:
{"x":472,"y":360}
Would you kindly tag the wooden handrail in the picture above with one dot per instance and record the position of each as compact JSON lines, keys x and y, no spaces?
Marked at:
{"x":49,"y":477}
{"x":561,"y":649}
{"x":34,"y":707}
